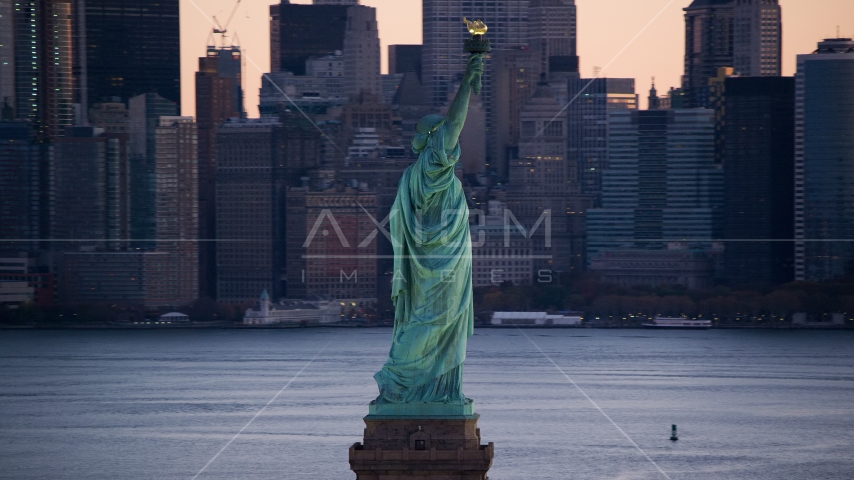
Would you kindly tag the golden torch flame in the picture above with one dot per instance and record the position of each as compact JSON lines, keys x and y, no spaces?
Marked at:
{"x":476,"y":27}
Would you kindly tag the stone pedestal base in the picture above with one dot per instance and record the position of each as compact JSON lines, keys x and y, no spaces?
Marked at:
{"x":428,"y":448}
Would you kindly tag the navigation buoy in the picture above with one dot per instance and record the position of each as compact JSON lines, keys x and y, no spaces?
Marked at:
{"x":673,"y":435}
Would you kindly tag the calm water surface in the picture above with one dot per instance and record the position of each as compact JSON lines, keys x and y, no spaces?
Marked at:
{"x":160,"y":404}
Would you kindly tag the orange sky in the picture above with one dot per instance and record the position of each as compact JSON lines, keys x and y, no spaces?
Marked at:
{"x":604,"y":28}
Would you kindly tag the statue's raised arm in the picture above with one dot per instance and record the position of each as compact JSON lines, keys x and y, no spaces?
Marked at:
{"x":460,"y":106}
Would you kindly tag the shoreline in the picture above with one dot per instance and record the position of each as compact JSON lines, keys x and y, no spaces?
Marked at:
{"x":338,"y":326}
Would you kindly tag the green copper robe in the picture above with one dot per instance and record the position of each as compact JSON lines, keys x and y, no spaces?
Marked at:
{"x":432,"y":286}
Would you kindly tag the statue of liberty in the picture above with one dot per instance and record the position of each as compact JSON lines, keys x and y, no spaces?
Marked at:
{"x":432,"y":285}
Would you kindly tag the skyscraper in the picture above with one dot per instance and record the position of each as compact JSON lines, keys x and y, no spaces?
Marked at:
{"x":7,"y":60}
{"x":177,"y":210}
{"x":22,"y":214}
{"x":552,"y":35}
{"x":322,"y":29}
{"x":538,"y":184}
{"x":759,"y":180}
{"x":744,"y":34}
{"x":144,"y":117}
{"x":514,"y":80}
{"x":219,"y":96}
{"x":250,"y":211}
{"x":587,"y":122}
{"x":661,"y":196}
{"x":42,"y":65}
{"x":361,"y":52}
{"x":758,"y":38}
{"x":824,"y":162}
{"x":125,"y":49}
{"x":305,"y":31}
{"x":90,"y":189}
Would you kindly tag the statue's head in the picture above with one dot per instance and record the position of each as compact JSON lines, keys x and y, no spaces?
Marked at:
{"x":427,"y":126}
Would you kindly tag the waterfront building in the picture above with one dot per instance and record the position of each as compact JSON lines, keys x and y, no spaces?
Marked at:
{"x":116,"y":278}
{"x":316,"y":311}
{"x":758,"y":216}
{"x":219,"y":95}
{"x":22,"y":281}
{"x":695,"y":270}
{"x":662,"y":190}
{"x":743,"y":34}
{"x":587,"y":126}
{"x":824,"y":162}
{"x":124,"y":49}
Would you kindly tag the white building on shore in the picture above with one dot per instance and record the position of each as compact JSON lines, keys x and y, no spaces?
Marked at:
{"x":293,"y":311}
{"x":539,"y":319}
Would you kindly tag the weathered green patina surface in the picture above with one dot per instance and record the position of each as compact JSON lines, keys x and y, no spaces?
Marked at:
{"x":432,"y":286}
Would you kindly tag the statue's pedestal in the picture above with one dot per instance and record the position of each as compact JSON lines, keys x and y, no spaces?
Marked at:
{"x":422,"y":447}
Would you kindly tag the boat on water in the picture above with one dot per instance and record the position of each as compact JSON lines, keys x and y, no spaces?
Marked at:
{"x":678,"y":323}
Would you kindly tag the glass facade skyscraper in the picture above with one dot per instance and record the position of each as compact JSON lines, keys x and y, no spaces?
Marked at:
{"x":587,"y":121}
{"x":131,"y":48}
{"x":824,"y":162}
{"x":661,"y":185}
{"x":758,"y":155}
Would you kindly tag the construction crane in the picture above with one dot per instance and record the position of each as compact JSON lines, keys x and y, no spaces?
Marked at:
{"x":223,"y":29}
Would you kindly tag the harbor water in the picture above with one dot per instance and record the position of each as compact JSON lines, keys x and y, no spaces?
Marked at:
{"x":157,"y":404}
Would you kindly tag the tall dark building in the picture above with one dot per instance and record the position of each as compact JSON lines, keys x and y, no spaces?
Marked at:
{"x":90,"y":189}
{"x":404,"y":59}
{"x":250,"y":211}
{"x":743,"y":34}
{"x":39,"y":53}
{"x":131,"y":48}
{"x":23,"y":215}
{"x":219,"y":96}
{"x":305,"y":31}
{"x":824,"y":162}
{"x":759,"y":188}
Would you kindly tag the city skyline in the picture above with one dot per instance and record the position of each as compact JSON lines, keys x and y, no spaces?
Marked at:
{"x":400,"y":23}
